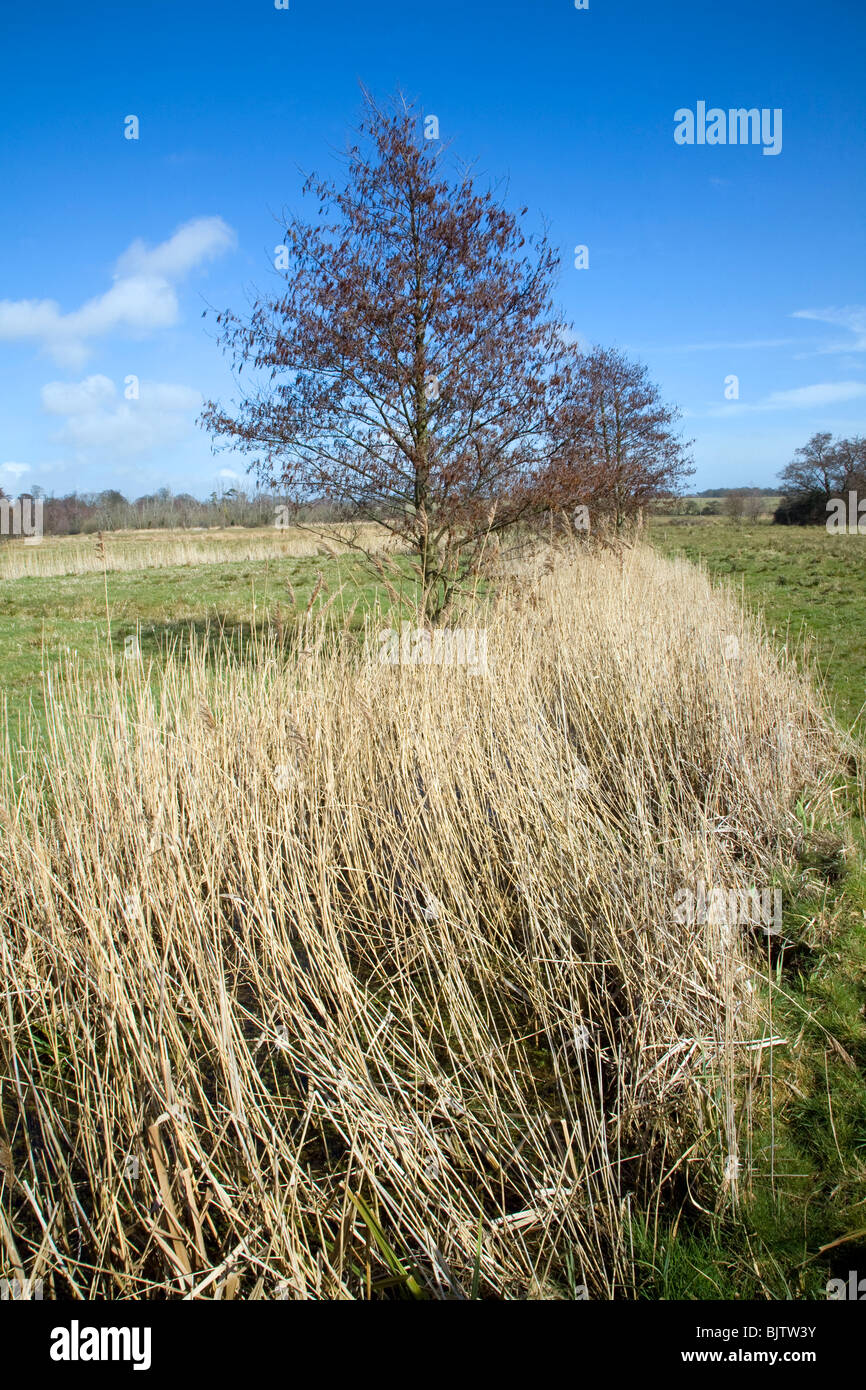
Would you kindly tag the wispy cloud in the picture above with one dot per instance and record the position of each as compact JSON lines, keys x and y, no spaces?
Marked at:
{"x":852,"y":317}
{"x":822,"y":393}
{"x":142,"y":298}
{"x":746,"y":345}
{"x":97,"y":420}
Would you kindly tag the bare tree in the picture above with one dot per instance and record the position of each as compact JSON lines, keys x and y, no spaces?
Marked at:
{"x":813,"y":468}
{"x":753,"y":507}
{"x":850,"y":460}
{"x":735,"y":503}
{"x":621,"y":438}
{"x":412,"y":368}
{"x":822,"y":469}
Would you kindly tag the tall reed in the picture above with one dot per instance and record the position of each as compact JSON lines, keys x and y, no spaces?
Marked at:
{"x":323,"y":977}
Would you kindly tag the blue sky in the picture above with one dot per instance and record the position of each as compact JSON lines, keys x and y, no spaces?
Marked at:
{"x":706,"y":261}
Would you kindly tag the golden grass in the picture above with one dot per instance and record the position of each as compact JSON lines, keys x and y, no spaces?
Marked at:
{"x":326,"y":978}
{"x":141,"y":550}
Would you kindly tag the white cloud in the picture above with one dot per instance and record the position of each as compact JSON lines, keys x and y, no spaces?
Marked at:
{"x":229,"y":473}
{"x":99,"y":420}
{"x":852,"y":317}
{"x":15,"y":470}
{"x":822,"y":393}
{"x":195,"y":242}
{"x":141,"y":299}
{"x":77,"y":397}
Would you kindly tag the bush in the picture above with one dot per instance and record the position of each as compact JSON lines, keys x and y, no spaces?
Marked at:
{"x":807,"y":509}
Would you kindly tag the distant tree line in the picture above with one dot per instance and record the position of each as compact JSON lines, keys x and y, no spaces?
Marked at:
{"x":83,"y":513}
{"x":726,"y":491}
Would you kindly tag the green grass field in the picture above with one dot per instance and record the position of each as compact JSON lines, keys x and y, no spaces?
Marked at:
{"x":811,"y":589}
{"x":809,"y":585}
{"x":42,"y":620}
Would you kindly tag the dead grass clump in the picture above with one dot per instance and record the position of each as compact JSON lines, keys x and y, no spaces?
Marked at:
{"x":329,"y":978}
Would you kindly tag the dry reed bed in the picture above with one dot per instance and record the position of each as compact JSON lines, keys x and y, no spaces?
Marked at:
{"x":367,"y":978}
{"x":142,"y":550}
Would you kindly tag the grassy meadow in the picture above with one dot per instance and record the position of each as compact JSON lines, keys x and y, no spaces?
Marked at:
{"x":65,"y":597}
{"x":328,"y":978}
{"x":810,"y":587}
